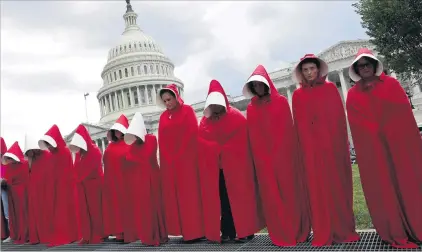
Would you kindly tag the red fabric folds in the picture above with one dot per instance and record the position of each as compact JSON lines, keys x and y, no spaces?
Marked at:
{"x":114,"y":158}
{"x":224,"y":144}
{"x":38,"y":218}
{"x":388,"y":147}
{"x":17,"y":177}
{"x":89,"y":179}
{"x":320,"y":121}
{"x":4,"y":228}
{"x":143,"y":218}
{"x":62,"y":193}
{"x":177,"y":134}
{"x":275,"y":152}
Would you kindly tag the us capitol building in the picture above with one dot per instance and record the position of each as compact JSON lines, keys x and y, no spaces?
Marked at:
{"x":137,"y":68}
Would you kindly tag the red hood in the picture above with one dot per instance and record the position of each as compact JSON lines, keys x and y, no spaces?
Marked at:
{"x":3,"y":146}
{"x":261,"y":75}
{"x":81,"y":139}
{"x":53,"y":137}
{"x":15,"y":153}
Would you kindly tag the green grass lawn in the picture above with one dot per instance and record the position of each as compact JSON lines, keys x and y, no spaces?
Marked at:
{"x":363,"y":220}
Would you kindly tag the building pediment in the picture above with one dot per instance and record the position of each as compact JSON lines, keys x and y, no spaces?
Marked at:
{"x":344,"y":50}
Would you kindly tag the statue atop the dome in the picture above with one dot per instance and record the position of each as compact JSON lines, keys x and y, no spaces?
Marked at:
{"x":128,"y":6}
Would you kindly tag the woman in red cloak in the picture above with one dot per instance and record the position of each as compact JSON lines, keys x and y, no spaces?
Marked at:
{"x":89,"y":178}
{"x":16,"y":177}
{"x":39,"y":162}
{"x":4,"y":221}
{"x":388,"y":147}
{"x":178,"y":141}
{"x":321,"y":126}
{"x":274,"y":147}
{"x":228,"y":182}
{"x":61,"y":189}
{"x":143,"y":217}
{"x":114,"y":160}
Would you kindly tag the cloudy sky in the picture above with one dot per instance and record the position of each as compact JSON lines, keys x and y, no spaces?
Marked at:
{"x":53,"y":52}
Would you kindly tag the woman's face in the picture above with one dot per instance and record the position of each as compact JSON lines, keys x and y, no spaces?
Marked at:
{"x":169,"y":100}
{"x":310,"y":71}
{"x":259,"y":88}
{"x":365,"y":68}
{"x":118,"y":134}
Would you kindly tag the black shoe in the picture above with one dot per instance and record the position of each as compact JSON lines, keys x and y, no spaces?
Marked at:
{"x":245,"y":239}
{"x":194,"y":240}
{"x":225,"y":238}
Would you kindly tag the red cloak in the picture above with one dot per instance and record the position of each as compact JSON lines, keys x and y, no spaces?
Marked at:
{"x":17,"y":178}
{"x":4,"y":228}
{"x":388,"y":148}
{"x":274,"y":147}
{"x":114,"y":158}
{"x":38,"y":231}
{"x":65,"y":220}
{"x":177,"y":136}
{"x":321,"y":125}
{"x":89,"y":179}
{"x":143,"y":217}
{"x":224,"y":144}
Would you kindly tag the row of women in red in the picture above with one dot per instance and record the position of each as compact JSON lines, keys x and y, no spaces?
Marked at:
{"x":387,"y":143}
{"x":41,"y":191}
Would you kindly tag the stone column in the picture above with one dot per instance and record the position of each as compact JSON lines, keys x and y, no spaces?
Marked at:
{"x":116,"y":99}
{"x":101,"y":107}
{"x":344,"y":85}
{"x":289,"y":96}
{"x":106,"y":104}
{"x":145,"y":94}
{"x":139,"y":95}
{"x":102,"y":145}
{"x":124,"y":99}
{"x":132,"y":100}
{"x":154,"y":95}
{"x":110,"y":101}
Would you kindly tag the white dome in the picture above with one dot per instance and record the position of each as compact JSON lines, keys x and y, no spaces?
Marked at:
{"x":135,"y":71}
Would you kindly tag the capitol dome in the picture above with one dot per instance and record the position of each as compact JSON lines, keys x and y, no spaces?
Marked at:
{"x":136,"y":69}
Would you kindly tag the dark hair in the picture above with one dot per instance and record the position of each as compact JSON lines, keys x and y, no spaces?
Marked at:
{"x":163,"y":91}
{"x":309,"y":60}
{"x":371,"y":61}
{"x":250,"y":86}
{"x":113,"y":135}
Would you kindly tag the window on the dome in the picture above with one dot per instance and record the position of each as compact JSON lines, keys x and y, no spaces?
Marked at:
{"x":111,"y":78}
{"x":134,"y":45}
{"x":162,"y":69}
{"x":120,"y":74}
{"x":139,"y":70}
{"x":132,"y":73}
{"x":126,"y":73}
{"x":152,"y":69}
{"x":115,"y":76}
{"x":158,"y":70}
{"x":130,"y":46}
{"x":128,"y":97}
{"x":125,"y":48}
{"x":145,"y":70}
{"x":142,"y":90}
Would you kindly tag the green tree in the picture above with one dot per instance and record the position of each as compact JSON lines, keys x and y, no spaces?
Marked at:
{"x":395,"y":28}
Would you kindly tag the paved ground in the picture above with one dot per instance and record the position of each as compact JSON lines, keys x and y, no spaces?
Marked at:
{"x":369,"y":242}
